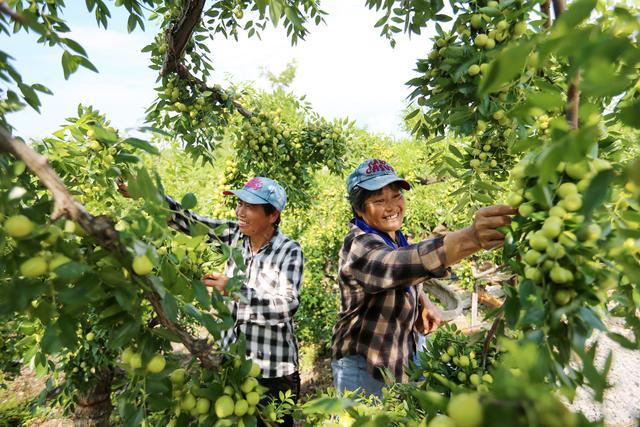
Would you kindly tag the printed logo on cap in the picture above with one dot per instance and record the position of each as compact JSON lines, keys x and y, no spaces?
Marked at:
{"x":376,"y":166}
{"x":255,"y":184}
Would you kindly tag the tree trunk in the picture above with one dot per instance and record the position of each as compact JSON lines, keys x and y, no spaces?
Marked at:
{"x":94,"y":403}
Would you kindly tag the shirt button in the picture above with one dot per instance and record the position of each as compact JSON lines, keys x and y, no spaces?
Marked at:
{"x":260,"y":355}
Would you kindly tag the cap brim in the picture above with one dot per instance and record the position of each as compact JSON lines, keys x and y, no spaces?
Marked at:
{"x":245,"y":196}
{"x":378,"y":182}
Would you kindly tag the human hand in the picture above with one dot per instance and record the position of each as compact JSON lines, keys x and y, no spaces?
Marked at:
{"x":216,"y":280}
{"x":486,"y":222}
{"x":429,"y":316}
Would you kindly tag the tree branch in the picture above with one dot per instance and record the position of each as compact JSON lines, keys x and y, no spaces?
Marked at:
{"x":4,"y":9}
{"x":178,"y":35}
{"x":558,"y":7}
{"x":490,"y":335}
{"x":573,"y":94}
{"x":177,"y":38}
{"x":102,"y":229}
{"x":573,"y":98}
{"x":429,"y":181}
{"x":546,"y":9}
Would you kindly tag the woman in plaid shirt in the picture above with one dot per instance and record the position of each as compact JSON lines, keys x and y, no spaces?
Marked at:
{"x":273,"y":267}
{"x":380,"y":278}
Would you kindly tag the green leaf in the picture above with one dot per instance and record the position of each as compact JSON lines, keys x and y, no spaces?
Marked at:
{"x":327,"y":406}
{"x":545,"y":100}
{"x":275,"y":11}
{"x":30,"y":96}
{"x":577,"y":12}
{"x":201,"y":294}
{"x":69,"y":64}
{"x":72,"y":44}
{"x":189,"y":201}
{"x":504,"y":68}
{"x":630,"y":114}
{"x":142,"y":145}
{"x":170,"y":307}
{"x":597,"y":192}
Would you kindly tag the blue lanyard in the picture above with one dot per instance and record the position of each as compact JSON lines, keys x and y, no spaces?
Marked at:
{"x":401,"y":239}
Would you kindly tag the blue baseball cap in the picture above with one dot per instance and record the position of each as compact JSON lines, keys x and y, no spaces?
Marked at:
{"x":373,"y":174}
{"x":261,"y":191}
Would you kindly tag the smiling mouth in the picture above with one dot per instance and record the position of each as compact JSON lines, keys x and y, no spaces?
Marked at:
{"x":242,"y":223}
{"x":391,"y":217}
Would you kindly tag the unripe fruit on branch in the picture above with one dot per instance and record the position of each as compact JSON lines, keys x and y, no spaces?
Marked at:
{"x":481,"y":40}
{"x":533,"y":274}
{"x":465,"y":410}
{"x":224,"y":406}
{"x":573,"y":202}
{"x":34,"y":267}
{"x":58,"y":261}
{"x":126,"y":355}
{"x":538,"y":241}
{"x":442,"y":421}
{"x":526,"y":209}
{"x":253,"y":398}
{"x":135,"y":361}
{"x":560,"y":275}
{"x":203,"y":405}
{"x":476,"y":21}
{"x":473,"y":70}
{"x":520,"y":28}
{"x":188,"y":402}
{"x":18,"y":226}
{"x":514,"y":199}
{"x":156,"y":364}
{"x":248,"y":385}
{"x":142,"y":265}
{"x":567,"y":189}
{"x":255,"y":370}
{"x":532,"y":257}
{"x":240,"y":408}
{"x":577,"y":170}
{"x":552,"y":227}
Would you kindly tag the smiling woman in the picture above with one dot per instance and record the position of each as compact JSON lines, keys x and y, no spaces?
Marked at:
{"x":380,"y":276}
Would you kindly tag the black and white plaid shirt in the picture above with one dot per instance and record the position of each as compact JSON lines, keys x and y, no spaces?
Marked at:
{"x":273,"y":278}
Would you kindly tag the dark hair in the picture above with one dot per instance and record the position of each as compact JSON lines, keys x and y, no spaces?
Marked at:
{"x":359,"y":196}
{"x":268,"y":210}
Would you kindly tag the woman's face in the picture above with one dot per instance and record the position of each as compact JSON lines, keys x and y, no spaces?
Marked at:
{"x":385,"y":211}
{"x":253,"y":220}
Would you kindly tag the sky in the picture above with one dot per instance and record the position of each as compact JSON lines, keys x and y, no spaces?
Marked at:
{"x":345,"y":68}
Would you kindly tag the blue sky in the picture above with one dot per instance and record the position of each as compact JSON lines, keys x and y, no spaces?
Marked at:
{"x":344,"y":67}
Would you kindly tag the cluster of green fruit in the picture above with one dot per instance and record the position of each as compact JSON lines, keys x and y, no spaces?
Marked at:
{"x":558,"y":246}
{"x":451,"y":357}
{"x":290,"y":153}
{"x":232,"y":402}
{"x":19,"y":226}
{"x":193,"y":104}
{"x":133,"y":359}
{"x":451,"y":75}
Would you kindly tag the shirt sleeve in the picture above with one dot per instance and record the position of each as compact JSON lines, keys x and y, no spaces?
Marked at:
{"x":379,"y":268}
{"x":183,"y":219}
{"x":282,"y":303}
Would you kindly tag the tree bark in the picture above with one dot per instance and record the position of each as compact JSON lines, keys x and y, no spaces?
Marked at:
{"x":94,"y":407}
